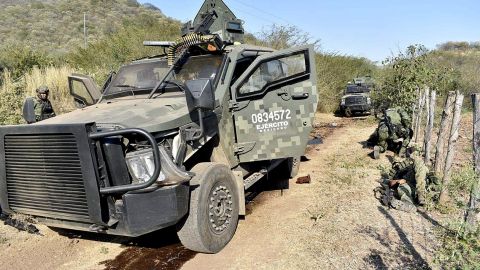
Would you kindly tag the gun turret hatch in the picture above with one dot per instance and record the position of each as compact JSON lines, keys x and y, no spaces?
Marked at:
{"x":214,"y":17}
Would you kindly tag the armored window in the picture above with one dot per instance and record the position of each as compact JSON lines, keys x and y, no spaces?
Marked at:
{"x":240,"y":68}
{"x":79,"y":88}
{"x":142,"y":76}
{"x":274,"y":71}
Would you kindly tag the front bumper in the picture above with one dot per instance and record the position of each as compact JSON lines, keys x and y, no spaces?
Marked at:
{"x":59,"y":174}
{"x":137,"y":213}
{"x":357,"y":107}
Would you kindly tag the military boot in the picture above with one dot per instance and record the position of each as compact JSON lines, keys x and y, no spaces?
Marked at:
{"x":376,"y":152}
{"x":402,"y":206}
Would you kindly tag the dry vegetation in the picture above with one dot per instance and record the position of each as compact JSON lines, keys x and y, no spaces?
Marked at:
{"x":13,"y":93}
{"x":56,"y":26}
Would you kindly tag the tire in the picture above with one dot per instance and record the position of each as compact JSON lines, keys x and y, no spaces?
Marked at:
{"x":293,"y":166}
{"x":208,"y":228}
{"x":348,"y":112}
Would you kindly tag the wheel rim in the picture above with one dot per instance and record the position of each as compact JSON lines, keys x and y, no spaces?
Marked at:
{"x":220,"y":208}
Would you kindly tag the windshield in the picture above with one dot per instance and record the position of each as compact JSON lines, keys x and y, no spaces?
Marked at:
{"x":138,"y":76}
{"x":196,"y":67}
{"x":357,"y":89}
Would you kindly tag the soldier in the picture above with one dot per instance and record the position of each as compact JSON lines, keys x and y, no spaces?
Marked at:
{"x":393,"y":130}
{"x":42,"y":106}
{"x":410,"y":177}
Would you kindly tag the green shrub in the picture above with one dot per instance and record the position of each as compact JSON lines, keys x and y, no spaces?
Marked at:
{"x":19,"y":59}
{"x":460,"y":247}
{"x":123,"y":46}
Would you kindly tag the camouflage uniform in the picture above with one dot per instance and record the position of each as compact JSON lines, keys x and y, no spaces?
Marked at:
{"x":42,"y":106}
{"x":401,"y":133}
{"x":417,"y":177}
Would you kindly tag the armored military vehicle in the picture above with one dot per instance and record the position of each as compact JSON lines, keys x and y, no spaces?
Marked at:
{"x":357,"y":97}
{"x":173,"y":140}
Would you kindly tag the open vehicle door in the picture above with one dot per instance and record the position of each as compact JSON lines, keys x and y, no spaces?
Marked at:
{"x":274,"y":105}
{"x":83,"y":90}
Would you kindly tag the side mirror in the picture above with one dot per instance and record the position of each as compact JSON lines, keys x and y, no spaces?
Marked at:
{"x":200,"y":94}
{"x":29,"y":110}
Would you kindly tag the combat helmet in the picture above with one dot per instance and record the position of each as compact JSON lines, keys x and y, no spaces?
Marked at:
{"x":42,"y":90}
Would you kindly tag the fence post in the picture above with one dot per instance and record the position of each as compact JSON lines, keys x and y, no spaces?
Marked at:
{"x":442,"y":133}
{"x":428,"y":130}
{"x":415,"y":109}
{"x":457,"y":113}
{"x":418,"y":121}
{"x":474,"y":202}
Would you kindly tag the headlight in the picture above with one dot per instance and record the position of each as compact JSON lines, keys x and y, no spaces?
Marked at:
{"x":343,"y":101}
{"x":369,"y":101}
{"x":141,"y":166}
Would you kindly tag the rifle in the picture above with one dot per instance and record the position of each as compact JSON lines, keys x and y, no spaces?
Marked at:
{"x":384,"y":193}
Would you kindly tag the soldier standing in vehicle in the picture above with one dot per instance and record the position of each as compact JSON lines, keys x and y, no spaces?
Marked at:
{"x":42,"y":105}
{"x":394,"y":129}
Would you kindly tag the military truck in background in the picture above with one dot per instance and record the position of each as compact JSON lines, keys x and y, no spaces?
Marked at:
{"x":356,"y":98}
{"x":173,"y":140}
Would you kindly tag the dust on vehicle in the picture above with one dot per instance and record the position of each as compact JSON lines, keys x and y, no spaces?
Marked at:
{"x":173,"y":140}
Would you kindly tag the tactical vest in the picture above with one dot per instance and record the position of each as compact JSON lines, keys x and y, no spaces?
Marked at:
{"x":394,"y":116}
{"x":46,"y":109}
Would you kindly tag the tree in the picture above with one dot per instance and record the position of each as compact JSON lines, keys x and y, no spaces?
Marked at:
{"x":407,"y":72}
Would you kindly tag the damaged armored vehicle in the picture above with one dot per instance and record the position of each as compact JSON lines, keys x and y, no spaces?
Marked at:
{"x":173,"y":140}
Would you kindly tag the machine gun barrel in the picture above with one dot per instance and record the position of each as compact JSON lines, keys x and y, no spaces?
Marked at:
{"x":158,"y":43}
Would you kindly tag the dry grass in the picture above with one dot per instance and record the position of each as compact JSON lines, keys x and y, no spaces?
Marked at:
{"x":13,"y":93}
{"x":56,"y":80}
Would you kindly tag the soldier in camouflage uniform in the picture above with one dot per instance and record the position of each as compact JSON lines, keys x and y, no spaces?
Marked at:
{"x":393,"y":130}
{"x":42,"y":106}
{"x":410,"y":177}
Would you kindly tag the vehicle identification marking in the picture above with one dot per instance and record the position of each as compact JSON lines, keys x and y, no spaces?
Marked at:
{"x":273,"y":121}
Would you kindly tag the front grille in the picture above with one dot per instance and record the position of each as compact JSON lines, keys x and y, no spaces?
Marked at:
{"x":44,"y":176}
{"x":355,"y":100}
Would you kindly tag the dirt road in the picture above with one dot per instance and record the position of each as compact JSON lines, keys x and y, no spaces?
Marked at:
{"x":332,"y":223}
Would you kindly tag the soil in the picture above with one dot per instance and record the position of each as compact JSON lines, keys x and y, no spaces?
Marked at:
{"x":333,"y":222}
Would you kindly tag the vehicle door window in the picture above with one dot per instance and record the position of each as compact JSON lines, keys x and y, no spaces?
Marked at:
{"x":79,"y":89}
{"x":240,"y":68}
{"x":272,"y":71}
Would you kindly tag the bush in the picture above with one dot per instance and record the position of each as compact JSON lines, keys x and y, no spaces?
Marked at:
{"x":19,"y":59}
{"x":460,"y":248}
{"x":410,"y":72}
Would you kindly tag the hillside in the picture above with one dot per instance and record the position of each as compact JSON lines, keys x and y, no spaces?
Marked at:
{"x":56,"y":26}
{"x":463,"y":58}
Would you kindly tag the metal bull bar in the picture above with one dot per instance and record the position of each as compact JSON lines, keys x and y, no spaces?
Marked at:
{"x":156,"y":159}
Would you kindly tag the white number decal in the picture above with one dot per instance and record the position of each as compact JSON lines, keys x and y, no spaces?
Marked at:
{"x":276,"y":115}
{"x":279,"y":115}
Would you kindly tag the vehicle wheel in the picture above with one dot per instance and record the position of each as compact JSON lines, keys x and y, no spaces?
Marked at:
{"x":213,"y":216}
{"x":293,"y":165}
{"x":348,"y":112}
